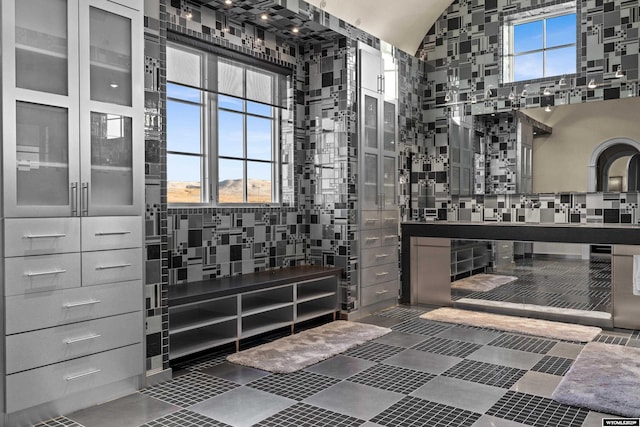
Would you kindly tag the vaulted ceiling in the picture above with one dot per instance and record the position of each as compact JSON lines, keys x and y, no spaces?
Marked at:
{"x":403,"y":23}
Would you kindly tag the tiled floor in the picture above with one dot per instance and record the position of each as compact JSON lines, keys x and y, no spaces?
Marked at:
{"x":422,"y":374}
{"x":562,"y":283}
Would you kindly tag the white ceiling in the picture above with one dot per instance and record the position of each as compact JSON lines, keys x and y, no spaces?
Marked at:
{"x":403,"y":23}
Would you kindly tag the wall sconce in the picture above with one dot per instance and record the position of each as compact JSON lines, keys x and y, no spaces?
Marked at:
{"x":562,"y":81}
{"x":592,"y":84}
{"x":474,"y":99}
{"x":619,"y":73}
{"x":512,"y":95}
{"x":547,"y":91}
{"x":447,"y":97}
{"x":523,"y":94}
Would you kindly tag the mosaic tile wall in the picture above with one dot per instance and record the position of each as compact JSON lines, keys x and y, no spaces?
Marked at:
{"x":592,"y":208}
{"x":462,"y":53}
{"x":157,"y":317}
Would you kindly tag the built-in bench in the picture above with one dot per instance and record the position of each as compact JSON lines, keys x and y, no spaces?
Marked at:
{"x":210,"y":313}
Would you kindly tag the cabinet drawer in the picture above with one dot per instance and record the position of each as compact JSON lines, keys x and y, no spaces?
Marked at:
{"x":41,"y":273}
{"x":46,"y":346}
{"x":370,"y":220}
{"x":40,"y":236}
{"x":111,"y":232}
{"x":111,"y":266}
{"x":389,"y":219}
{"x":389,"y":237}
{"x":370,"y":239}
{"x":379,"y":274}
{"x":377,"y":256}
{"x":380,"y":292}
{"x":36,"y":386}
{"x":46,"y":309}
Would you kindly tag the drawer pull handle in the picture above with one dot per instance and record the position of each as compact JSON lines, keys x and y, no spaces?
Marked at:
{"x":390,"y":236}
{"x":45,"y":273}
{"x":384,"y":291}
{"x":83,"y":303}
{"x":76,"y":340}
{"x":106,"y":267}
{"x":44,"y":236}
{"x":390,"y":219}
{"x":370,"y":220}
{"x":369,"y":239}
{"x":84,"y":374}
{"x":382,"y":255}
{"x":111,"y":233}
{"x":384,"y":273}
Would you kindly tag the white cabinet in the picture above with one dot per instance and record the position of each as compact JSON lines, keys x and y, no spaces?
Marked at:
{"x":72,"y":188}
{"x":378,"y":179}
{"x":73,"y":90}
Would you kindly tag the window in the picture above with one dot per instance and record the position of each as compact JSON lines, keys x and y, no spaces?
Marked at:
{"x":222,"y":129}
{"x":540,"y":45}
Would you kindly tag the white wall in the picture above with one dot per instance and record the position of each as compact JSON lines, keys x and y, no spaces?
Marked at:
{"x":560,"y":160}
{"x":563,"y":249}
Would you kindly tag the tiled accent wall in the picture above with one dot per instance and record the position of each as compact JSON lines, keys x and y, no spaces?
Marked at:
{"x":157,"y":317}
{"x":330,"y":164}
{"x":462,"y":52}
{"x":583,"y":208}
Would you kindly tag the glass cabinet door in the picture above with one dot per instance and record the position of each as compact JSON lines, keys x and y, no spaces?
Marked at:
{"x":371,"y":123}
{"x":389,"y":127}
{"x":112,"y":150}
{"x":370,"y":181}
{"x":41,"y":45}
{"x":389,"y":180}
{"x":40,"y":107}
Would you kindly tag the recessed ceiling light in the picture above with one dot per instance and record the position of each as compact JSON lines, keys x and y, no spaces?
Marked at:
{"x":295,"y":29}
{"x":228,"y":2}
{"x":188,"y":15}
{"x":113,"y":85}
{"x":264,"y":16}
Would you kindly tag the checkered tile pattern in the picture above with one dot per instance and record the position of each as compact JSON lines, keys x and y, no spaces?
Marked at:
{"x":396,"y":393}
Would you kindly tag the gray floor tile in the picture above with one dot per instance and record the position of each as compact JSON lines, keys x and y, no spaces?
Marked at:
{"x":476,"y":336}
{"x":235,"y":373}
{"x":370,"y":424}
{"x":537,"y":383}
{"x":242,"y":406}
{"x":341,"y":366}
{"x":400,"y":339}
{"x":633,"y":343}
{"x":566,"y":350}
{"x":422,"y":361}
{"x":356,"y":400}
{"x":506,"y":357}
{"x":594,"y":419}
{"x":489,"y":421}
{"x":134,"y":409}
{"x":461,"y":394}
{"x":383,"y":321}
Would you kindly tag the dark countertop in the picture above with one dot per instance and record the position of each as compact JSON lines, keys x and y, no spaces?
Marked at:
{"x":627,"y":234}
{"x":604,"y":234}
{"x":216,"y":288}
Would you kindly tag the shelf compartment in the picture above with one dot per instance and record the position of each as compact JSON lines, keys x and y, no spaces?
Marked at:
{"x":266,"y":321}
{"x":187,"y":317}
{"x":195,"y":340}
{"x":315,"y":289}
{"x":267,"y":300}
{"x":316,"y":308}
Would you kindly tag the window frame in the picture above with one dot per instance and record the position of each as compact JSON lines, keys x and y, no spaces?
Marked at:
{"x":209,"y":131}
{"x":541,"y":14}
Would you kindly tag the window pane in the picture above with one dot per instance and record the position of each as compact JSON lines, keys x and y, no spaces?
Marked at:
{"x":561,"y":30}
{"x":230,"y":134}
{"x":230,"y":78}
{"x":183,"y":67}
{"x":527,"y":67}
{"x":183,"y":92}
{"x":230,"y":103}
{"x":184,"y":174}
{"x":527,"y":36}
{"x":230,"y":181}
{"x":260,"y":109}
{"x":259,"y":137}
{"x":561,"y":61}
{"x":259,"y":86}
{"x":183,"y":127}
{"x":259,"y":182}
